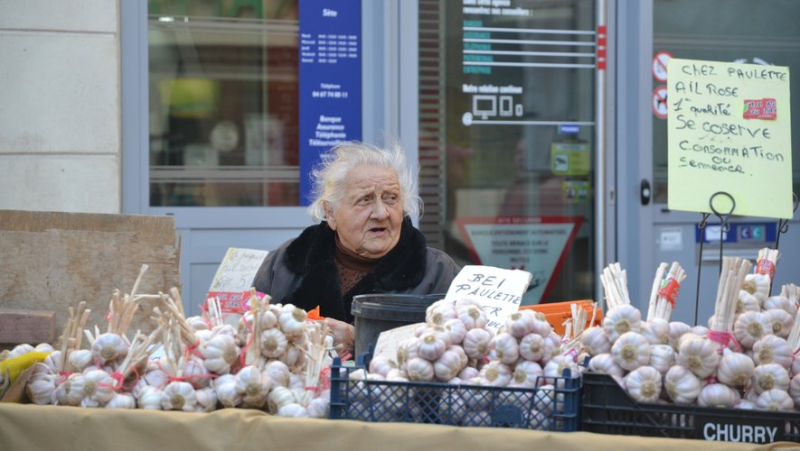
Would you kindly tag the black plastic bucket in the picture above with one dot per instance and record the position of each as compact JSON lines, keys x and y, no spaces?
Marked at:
{"x":375,"y":313}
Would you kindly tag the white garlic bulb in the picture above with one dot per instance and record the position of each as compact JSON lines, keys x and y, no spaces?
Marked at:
{"x":757,"y":285}
{"x":698,"y":355}
{"x":775,"y":400}
{"x":431,"y":347}
{"x":79,"y":360}
{"x":97,"y":386}
{"x":556,"y":366}
{"x":292,"y":410}
{"x":380,"y":364}
{"x":745,"y":405}
{"x":319,"y":407}
{"x":407,"y":350}
{"x":533,"y":347}
{"x":506,"y":348}
{"x":644,"y":384}
{"x":717,"y":395}
{"x":44,"y":347}
{"x":227,"y":390}
{"x":292,"y":319}
{"x":477,"y":343}
{"x":773,"y":349}
{"x":19,"y":350}
{"x":121,"y":401}
{"x":198,"y":323}
{"x":656,"y":331}
{"x":750,"y":327}
{"x":794,"y":388}
{"x":419,"y":369}
{"x":780,"y":302}
{"x":447,"y":366}
{"x":747,"y":303}
{"x":495,"y":374}
{"x":53,"y":361}
{"x":206,"y":399}
{"x":440,"y":312}
{"x":520,"y":323}
{"x":280,"y":397}
{"x":109,"y":347}
{"x":630,"y":351}
{"x":278,"y":373}
{"x":457,"y":330}
{"x":468,"y":373}
{"x":677,"y":329}
{"x":622,"y":319}
{"x":41,"y":390}
{"x":781,"y":321}
{"x":681,"y":385}
{"x":525,"y":374}
{"x":273,"y":343}
{"x":220,"y":353}
{"x":662,"y":357}
{"x":769,"y":376}
{"x":149,"y":398}
{"x":254,"y":385}
{"x":541,"y":326}
{"x":735,"y":369}
{"x":179,"y":395}
{"x":604,"y":364}
{"x":595,"y":341}
{"x":196,"y":373}
{"x":472,"y":316}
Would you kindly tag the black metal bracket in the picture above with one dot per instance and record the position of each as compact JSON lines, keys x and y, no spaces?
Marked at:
{"x":725,"y":226}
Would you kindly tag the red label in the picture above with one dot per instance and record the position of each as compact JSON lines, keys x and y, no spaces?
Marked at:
{"x":765,"y":267}
{"x":669,"y":290}
{"x":233,"y":302}
{"x":760,"y":109}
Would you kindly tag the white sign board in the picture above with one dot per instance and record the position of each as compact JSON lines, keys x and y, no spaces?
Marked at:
{"x":499,"y":291}
{"x":234,"y":278}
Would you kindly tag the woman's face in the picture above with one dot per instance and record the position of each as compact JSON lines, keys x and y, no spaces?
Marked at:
{"x":369,"y":217}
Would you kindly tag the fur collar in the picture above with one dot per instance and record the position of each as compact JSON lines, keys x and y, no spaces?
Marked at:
{"x":310,"y":256}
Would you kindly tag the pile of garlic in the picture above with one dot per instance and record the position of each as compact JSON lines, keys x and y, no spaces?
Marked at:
{"x":742,"y":360}
{"x":455,"y":346}
{"x":273,"y":361}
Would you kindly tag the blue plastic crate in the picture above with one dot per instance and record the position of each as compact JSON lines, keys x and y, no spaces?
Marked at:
{"x":457,"y":405}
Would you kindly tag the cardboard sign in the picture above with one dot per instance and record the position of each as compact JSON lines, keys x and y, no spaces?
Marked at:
{"x":499,"y":291}
{"x":389,"y":340}
{"x":234,"y":278}
{"x":729,"y":130}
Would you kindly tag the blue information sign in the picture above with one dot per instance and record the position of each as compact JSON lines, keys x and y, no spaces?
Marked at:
{"x":330,"y":80}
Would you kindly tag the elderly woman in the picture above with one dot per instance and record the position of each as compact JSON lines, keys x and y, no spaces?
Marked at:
{"x":364,"y":243}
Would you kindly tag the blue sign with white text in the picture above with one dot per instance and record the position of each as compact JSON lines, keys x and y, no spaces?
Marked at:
{"x":330,"y":81}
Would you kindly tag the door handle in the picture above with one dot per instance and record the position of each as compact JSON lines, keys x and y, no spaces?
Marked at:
{"x":645,"y":192}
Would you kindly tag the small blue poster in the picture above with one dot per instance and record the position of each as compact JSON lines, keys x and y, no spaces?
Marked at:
{"x":330,"y":80}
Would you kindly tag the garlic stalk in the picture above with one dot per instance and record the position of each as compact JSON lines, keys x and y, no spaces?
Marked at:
{"x":721,"y":325}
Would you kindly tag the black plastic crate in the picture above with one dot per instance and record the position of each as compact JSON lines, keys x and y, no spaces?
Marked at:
{"x":457,"y":405}
{"x":607,"y":409}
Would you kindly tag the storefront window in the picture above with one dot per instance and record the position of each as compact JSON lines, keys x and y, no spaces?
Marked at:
{"x":507,"y":126}
{"x":223,"y":103}
{"x":743,"y":31}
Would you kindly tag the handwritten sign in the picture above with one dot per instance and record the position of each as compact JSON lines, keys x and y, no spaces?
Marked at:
{"x":389,"y":340}
{"x":499,"y":291}
{"x":235,"y":275}
{"x":729,"y":130}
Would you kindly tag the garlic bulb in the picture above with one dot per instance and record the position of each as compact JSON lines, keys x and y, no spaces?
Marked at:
{"x":440,"y":312}
{"x":773,"y":349}
{"x":700,"y":331}
{"x":206,"y":399}
{"x":292,"y":319}
{"x":319,"y":407}
{"x":278,"y":373}
{"x":775,"y":400}
{"x":541,"y":326}
{"x":644,"y":384}
{"x":196,"y":373}
{"x":79,"y":360}
{"x":477,"y":343}
{"x":662,"y":357}
{"x":149,"y":398}
{"x":220,"y":353}
{"x":525,"y":374}
{"x":620,"y":320}
{"x":495,"y":374}
{"x":681,"y":385}
{"x":520,"y":323}
{"x":419,"y":369}
{"x":407,"y":350}
{"x":198,"y":323}
{"x":781,"y":303}
{"x":794,"y":389}
{"x":381,"y":364}
{"x":595,"y":341}
{"x":506,"y":348}
{"x":273,"y":343}
{"x":630,"y":351}
{"x":447,"y":366}
{"x":676,"y":330}
{"x":44,"y":347}
{"x":292,"y":410}
{"x":656,"y":331}
{"x":42,"y":389}
{"x":431,"y":347}
{"x":698,"y":355}
{"x":604,"y":364}
{"x":468,"y":373}
{"x":280,"y":397}
{"x":53,"y":361}
{"x":747,"y":303}
{"x":452,"y":407}
{"x":780,"y":320}
{"x":121,"y":401}
{"x":456,"y":329}
{"x":472,"y":316}
{"x":227,"y":390}
{"x":19,"y":350}
{"x":556,"y":366}
{"x":735,"y":369}
{"x":769,"y":376}
{"x":254,"y":385}
{"x":757,"y":285}
{"x":461,"y":355}
{"x":109,"y":347}
{"x":745,"y":405}
{"x":97,"y":387}
{"x":179,"y":396}
{"x":533,"y":347}
{"x":717,"y":395}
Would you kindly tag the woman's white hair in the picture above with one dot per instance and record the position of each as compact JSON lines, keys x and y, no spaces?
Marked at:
{"x":329,"y":176}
